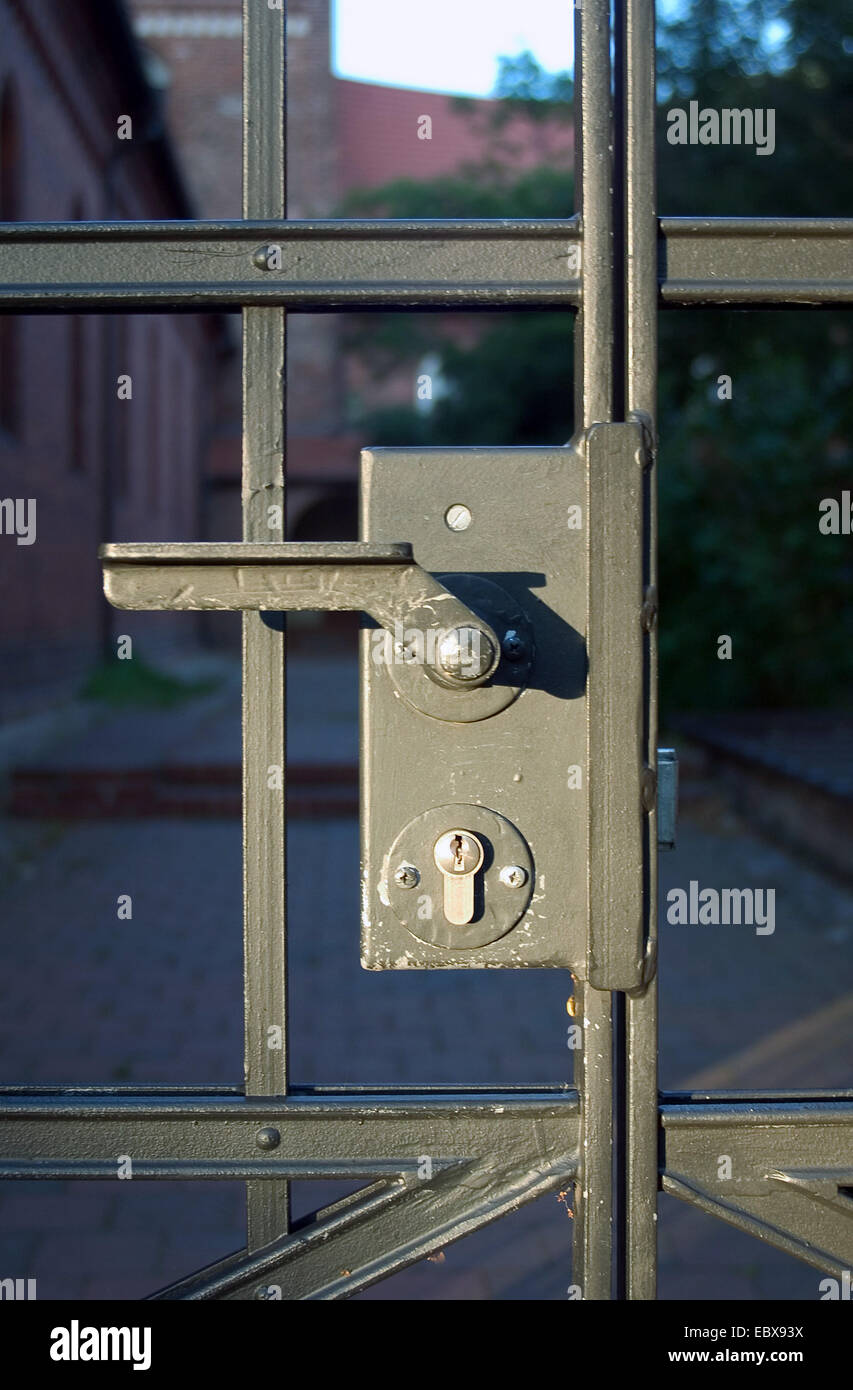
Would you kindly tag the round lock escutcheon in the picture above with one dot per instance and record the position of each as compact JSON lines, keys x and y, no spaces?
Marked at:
{"x":415,"y":871}
{"x":459,"y":650}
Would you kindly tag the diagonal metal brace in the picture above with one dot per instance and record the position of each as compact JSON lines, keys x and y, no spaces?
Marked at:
{"x":382,"y":580}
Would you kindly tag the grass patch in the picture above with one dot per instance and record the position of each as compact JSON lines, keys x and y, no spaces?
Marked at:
{"x":128,"y":684}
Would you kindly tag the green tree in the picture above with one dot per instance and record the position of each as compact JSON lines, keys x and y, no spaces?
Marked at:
{"x":741,"y":479}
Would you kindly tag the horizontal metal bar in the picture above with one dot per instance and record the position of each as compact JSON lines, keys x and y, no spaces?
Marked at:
{"x":333,"y":265}
{"x":337,"y":553}
{"x":169,"y":1136}
{"x":304,"y":1102}
{"x":742,"y":1110}
{"x":321,"y":266}
{"x":755,"y":261}
{"x":146,"y":1091}
{"x":206,"y":1170}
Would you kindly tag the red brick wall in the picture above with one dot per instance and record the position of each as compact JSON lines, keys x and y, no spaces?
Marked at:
{"x":67,"y":100}
{"x":379,"y":136}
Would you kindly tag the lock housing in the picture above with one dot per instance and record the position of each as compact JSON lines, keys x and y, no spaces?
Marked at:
{"x":513,"y":751}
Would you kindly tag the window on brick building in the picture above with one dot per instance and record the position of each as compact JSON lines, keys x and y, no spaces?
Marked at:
{"x":10,"y":211}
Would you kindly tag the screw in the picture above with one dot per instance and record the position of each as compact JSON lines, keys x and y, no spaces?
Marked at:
{"x":514,"y":646}
{"x":513,"y":876}
{"x":268,"y":1138}
{"x":465,"y":654}
{"x":458,"y":517}
{"x":407,"y":876}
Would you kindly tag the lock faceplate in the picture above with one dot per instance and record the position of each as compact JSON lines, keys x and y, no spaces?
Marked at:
{"x":431,"y":911}
{"x":561,"y":532}
{"x":508,"y":746}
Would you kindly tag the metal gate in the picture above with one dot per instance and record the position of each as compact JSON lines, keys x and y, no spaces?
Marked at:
{"x":488,"y":1152}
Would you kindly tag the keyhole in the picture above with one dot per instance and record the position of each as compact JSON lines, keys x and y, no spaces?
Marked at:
{"x":457,"y":844}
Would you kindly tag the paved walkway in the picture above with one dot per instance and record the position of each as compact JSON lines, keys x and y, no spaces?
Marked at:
{"x":87,"y":998}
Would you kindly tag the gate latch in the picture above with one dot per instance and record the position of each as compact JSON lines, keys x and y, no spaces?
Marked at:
{"x":461,"y":650}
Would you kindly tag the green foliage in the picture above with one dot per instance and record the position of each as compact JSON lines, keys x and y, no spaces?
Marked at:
{"x":740,"y":480}
{"x":134,"y":684}
{"x":741,"y":483}
{"x":483,"y":190}
{"x":514,"y":387}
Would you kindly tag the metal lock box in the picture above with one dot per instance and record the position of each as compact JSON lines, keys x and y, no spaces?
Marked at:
{"x":507,"y":532}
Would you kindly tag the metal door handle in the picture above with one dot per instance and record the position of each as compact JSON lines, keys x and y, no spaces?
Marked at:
{"x":382,"y":580}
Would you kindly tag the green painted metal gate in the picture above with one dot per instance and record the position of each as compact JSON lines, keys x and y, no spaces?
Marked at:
{"x":612,"y":1135}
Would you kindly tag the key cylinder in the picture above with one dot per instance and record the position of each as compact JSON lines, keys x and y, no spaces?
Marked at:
{"x":458,"y":855}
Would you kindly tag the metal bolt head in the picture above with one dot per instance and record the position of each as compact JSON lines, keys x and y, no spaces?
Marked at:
{"x":407,"y":876}
{"x":513,"y":876}
{"x":268,"y":1137}
{"x":514,"y":646}
{"x":458,"y":517}
{"x":465,"y":653}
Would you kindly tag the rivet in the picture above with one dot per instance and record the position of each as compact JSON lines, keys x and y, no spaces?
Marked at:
{"x":268,"y":1138}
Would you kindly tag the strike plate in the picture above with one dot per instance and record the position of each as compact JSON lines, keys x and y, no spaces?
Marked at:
{"x":526,"y":762}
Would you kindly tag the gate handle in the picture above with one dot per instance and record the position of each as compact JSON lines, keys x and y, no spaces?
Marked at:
{"x":460,"y":650}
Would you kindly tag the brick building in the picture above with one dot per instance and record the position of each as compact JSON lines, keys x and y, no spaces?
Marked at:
{"x":165,"y":464}
{"x":342,"y":135}
{"x":89,"y":466}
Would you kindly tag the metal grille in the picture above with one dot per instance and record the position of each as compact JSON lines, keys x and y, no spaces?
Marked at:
{"x":612,"y":1135}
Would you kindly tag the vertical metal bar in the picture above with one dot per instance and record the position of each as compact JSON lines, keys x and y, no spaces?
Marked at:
{"x":593,"y":1229}
{"x":641,"y":402}
{"x":593,"y":198}
{"x":593,"y":1235}
{"x":264,"y":720}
